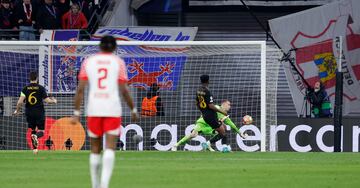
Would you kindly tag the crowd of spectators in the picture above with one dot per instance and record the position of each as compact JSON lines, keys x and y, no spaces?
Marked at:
{"x":28,"y":17}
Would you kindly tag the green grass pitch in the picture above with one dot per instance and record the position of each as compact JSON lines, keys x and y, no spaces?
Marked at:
{"x":22,"y":169}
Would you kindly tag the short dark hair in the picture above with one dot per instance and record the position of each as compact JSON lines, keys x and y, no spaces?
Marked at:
{"x":204,"y":79}
{"x":108,"y":44}
{"x":33,"y":76}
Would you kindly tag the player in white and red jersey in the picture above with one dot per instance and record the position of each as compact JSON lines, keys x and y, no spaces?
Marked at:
{"x":106,"y":74}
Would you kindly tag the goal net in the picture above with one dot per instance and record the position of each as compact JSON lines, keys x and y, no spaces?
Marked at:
{"x":243,"y":72}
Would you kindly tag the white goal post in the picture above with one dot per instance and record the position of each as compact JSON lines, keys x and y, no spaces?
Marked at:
{"x":245,"y":72}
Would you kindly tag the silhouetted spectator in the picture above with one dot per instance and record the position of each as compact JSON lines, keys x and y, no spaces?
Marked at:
{"x":26,"y":15}
{"x":68,"y":144}
{"x":74,"y":19}
{"x":2,"y":142}
{"x":49,"y":143}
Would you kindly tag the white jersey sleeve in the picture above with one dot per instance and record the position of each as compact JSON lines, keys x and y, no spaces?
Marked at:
{"x":104,"y":72}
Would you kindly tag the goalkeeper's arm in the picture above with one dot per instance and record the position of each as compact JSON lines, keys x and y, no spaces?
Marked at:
{"x":227,"y":121}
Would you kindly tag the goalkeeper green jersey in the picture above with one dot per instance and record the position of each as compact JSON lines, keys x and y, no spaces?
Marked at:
{"x":202,"y":126}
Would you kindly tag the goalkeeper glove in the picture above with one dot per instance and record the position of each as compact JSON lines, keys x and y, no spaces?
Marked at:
{"x":243,"y":135}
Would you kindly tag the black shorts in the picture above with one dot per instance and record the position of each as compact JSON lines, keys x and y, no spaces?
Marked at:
{"x":212,"y":120}
{"x":36,"y":119}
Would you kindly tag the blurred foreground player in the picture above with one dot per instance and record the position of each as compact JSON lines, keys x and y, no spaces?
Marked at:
{"x":106,"y":74}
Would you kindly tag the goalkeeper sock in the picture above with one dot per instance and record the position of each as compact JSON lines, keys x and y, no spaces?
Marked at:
{"x":95,"y":160}
{"x":183,"y":141}
{"x":40,"y":134}
{"x":215,"y":138}
{"x":107,"y":168}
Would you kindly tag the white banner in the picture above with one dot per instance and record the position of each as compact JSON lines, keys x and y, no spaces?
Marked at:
{"x":148,"y":33}
{"x":44,"y":60}
{"x":312,"y":35}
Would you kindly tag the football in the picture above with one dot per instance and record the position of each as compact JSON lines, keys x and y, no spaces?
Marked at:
{"x":137,"y":138}
{"x":247,"y":120}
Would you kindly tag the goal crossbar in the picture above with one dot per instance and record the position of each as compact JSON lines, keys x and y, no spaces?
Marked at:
{"x":132,"y":43}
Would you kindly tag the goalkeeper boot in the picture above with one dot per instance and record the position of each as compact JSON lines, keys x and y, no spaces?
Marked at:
{"x":207,"y":145}
{"x":34,"y":141}
{"x":174,"y":148}
{"x":204,"y":146}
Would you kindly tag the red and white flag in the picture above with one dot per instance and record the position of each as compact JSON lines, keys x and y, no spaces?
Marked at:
{"x":313,"y":34}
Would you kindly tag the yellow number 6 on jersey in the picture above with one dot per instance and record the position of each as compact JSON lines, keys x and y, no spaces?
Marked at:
{"x":32,"y":99}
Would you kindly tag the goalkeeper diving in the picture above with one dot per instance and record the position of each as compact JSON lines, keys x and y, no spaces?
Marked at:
{"x":201,"y":127}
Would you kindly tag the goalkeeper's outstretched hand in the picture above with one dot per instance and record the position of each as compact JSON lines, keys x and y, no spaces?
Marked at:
{"x":243,"y":135}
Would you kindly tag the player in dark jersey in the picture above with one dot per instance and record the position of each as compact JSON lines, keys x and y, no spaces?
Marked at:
{"x":34,"y":96}
{"x":204,"y":101}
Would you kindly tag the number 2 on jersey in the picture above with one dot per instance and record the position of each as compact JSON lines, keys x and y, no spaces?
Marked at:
{"x":102,"y":76}
{"x":202,"y":102}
